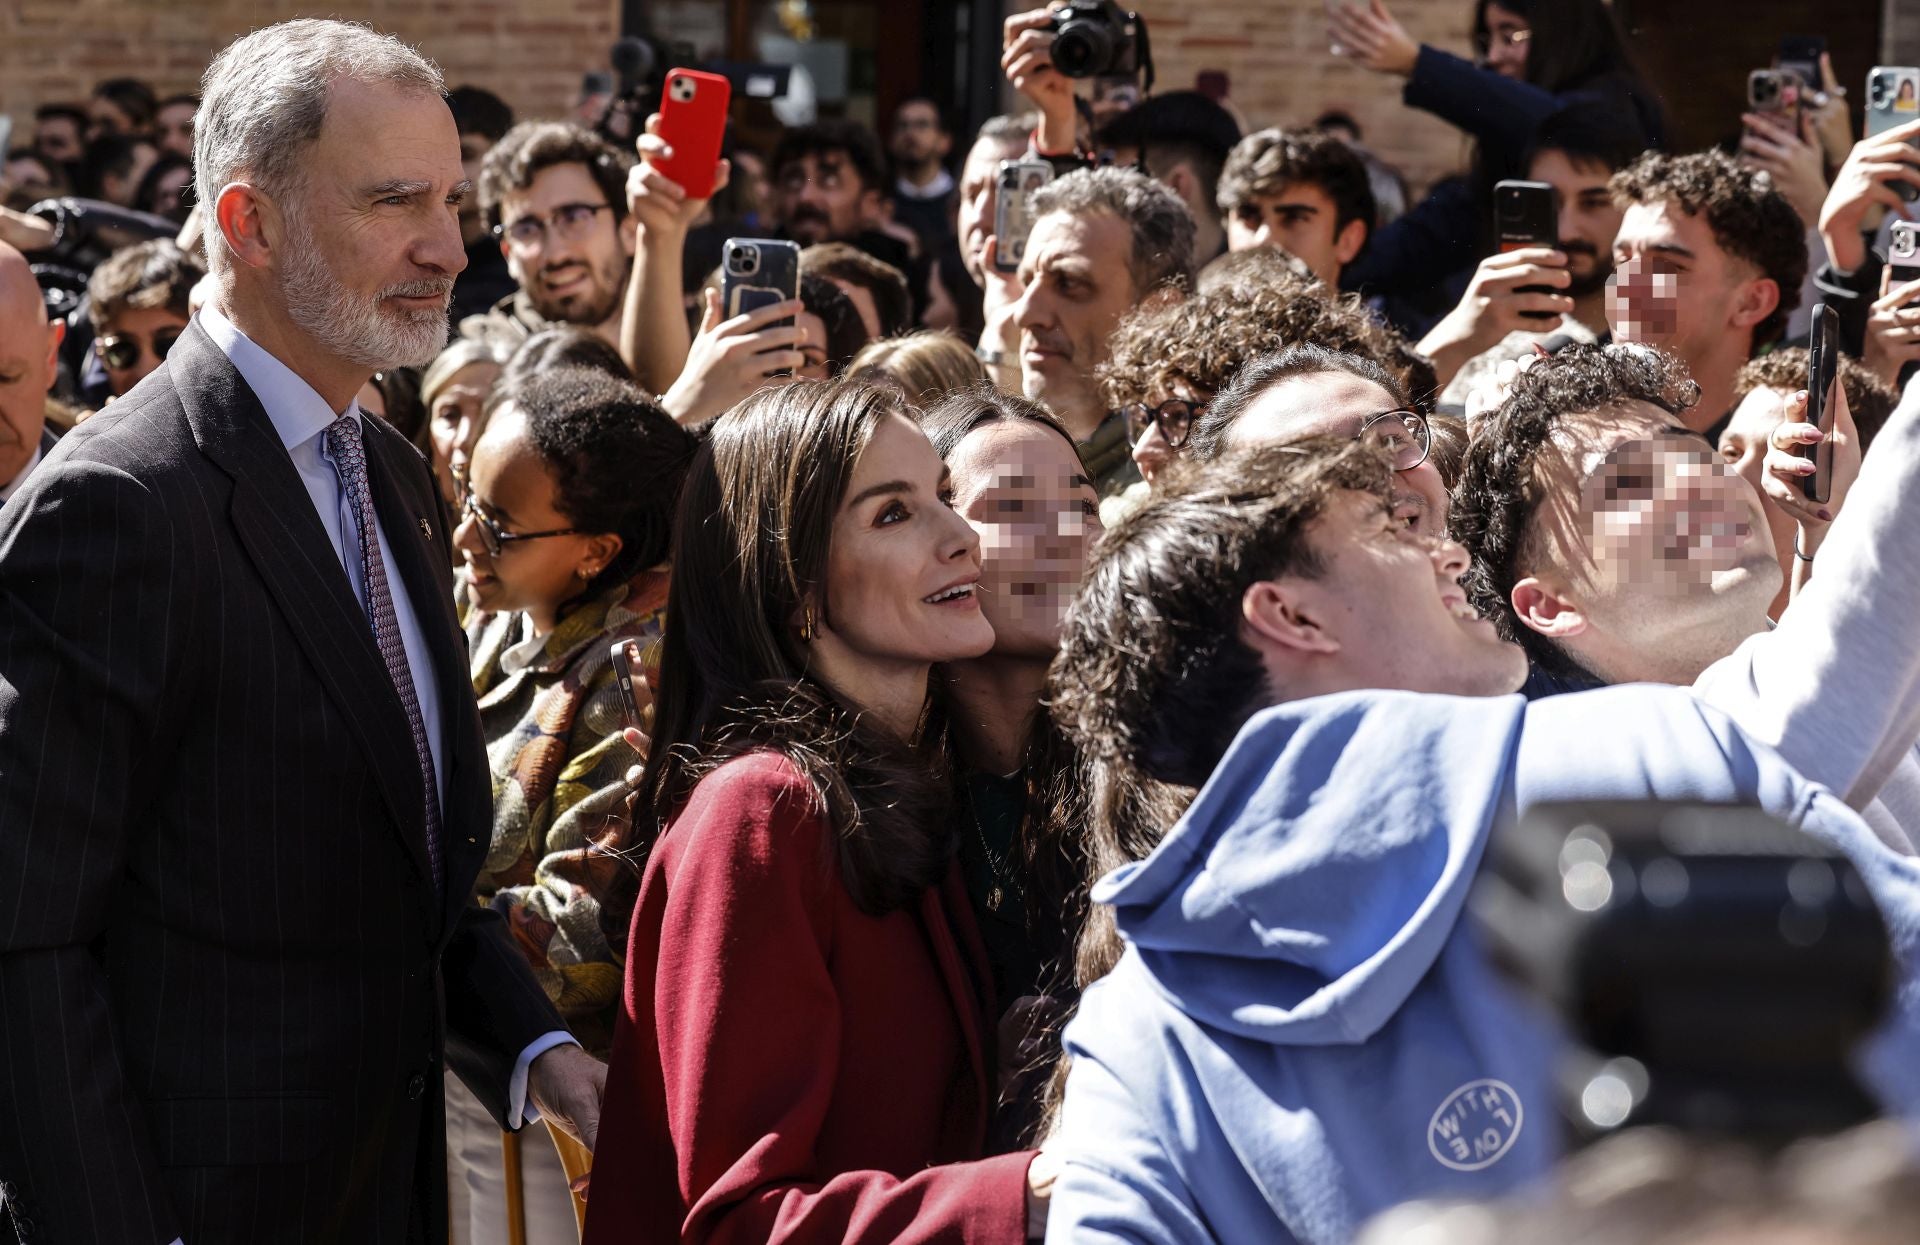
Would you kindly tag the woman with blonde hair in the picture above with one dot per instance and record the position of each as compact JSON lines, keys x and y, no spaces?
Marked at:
{"x":925,"y":366}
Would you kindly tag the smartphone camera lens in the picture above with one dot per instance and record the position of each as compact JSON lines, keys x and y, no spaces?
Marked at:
{"x":682,"y":90}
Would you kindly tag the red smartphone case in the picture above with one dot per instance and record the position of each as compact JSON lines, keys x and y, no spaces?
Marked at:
{"x":693,"y":128}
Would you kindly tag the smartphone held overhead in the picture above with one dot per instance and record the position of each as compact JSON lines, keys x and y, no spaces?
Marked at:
{"x":1017,"y":182}
{"x":693,"y":121}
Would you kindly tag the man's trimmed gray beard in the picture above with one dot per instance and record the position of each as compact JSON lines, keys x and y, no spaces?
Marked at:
{"x":366,"y":332}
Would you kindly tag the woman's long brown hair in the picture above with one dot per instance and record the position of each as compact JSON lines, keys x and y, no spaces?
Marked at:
{"x":749,"y":551}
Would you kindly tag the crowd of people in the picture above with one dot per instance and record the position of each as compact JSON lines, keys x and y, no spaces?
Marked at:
{"x":1004,"y":743}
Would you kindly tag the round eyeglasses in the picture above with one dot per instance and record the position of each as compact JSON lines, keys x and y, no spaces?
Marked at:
{"x":1406,"y":433}
{"x":1175,"y":417}
{"x":495,"y":537}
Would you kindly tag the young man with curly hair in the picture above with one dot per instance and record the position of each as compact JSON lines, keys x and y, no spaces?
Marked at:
{"x":1707,"y":264}
{"x":1304,"y":191}
{"x":1613,"y":544}
{"x":1166,"y":361}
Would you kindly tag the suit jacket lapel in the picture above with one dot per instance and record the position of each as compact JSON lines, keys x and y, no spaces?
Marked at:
{"x":277,"y":526}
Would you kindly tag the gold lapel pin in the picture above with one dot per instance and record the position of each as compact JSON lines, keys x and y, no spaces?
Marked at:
{"x":426,"y":529}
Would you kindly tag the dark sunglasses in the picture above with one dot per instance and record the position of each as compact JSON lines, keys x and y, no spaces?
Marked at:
{"x":121,"y":351}
{"x":1175,"y":417}
{"x":495,"y":537}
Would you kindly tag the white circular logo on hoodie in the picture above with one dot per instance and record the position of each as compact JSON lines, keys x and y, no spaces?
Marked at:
{"x":1476,"y":1125}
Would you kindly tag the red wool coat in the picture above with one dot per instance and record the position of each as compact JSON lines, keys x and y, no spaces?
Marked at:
{"x":785,"y":1067}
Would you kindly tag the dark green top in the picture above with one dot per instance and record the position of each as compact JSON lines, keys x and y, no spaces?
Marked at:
{"x":994,"y":807}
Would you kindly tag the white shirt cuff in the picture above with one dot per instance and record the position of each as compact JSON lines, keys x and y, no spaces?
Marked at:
{"x":520,"y":1112}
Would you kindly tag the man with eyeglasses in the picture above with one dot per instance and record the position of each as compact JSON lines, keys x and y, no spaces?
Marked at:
{"x":1308,"y":391}
{"x":829,"y":185}
{"x":554,"y":194}
{"x":137,"y":304}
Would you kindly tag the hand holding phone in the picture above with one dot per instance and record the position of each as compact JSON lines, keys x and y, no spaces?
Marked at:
{"x":1014,"y":187}
{"x":636,"y":697}
{"x":1823,"y":384}
{"x":1527,"y":217}
{"x":693,"y":124}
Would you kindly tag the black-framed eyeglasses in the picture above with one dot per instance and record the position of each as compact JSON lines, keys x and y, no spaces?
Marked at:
{"x":495,"y":537}
{"x":121,"y":351}
{"x":1406,"y":433}
{"x":1175,"y":417}
{"x":568,"y":222}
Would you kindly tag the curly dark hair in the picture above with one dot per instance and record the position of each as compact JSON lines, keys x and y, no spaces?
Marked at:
{"x":846,"y":331}
{"x":1870,"y":400}
{"x":1152,"y":667}
{"x":1205,"y":340}
{"x":1750,"y":219}
{"x":618,"y":461}
{"x":1502,"y":486}
{"x":533,"y":146}
{"x":1266,"y":162}
{"x":833,"y":136}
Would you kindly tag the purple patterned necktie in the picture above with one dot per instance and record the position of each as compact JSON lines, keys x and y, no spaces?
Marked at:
{"x":350,"y":458}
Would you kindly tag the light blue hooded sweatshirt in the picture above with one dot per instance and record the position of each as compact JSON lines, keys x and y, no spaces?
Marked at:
{"x":1302,"y":1032}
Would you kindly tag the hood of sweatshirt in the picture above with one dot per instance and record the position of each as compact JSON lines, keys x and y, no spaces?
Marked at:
{"x":1318,"y":875}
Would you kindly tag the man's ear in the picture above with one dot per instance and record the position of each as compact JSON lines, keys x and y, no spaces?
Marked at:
{"x":1754,"y":301}
{"x":1185,"y":186}
{"x":1347,"y":243}
{"x":1272,"y":617}
{"x":1543,"y":605}
{"x":243,"y":216}
{"x":629,"y":234}
{"x":872,"y":207}
{"x":56,"y":333}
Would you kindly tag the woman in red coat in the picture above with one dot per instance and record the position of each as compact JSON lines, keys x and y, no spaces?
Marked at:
{"x":804,"y":1050}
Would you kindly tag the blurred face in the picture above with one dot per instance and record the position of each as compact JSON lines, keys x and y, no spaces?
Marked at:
{"x":27,"y":179}
{"x":916,"y":138}
{"x":1076,"y":284}
{"x":473,"y":153}
{"x":173,"y":128}
{"x":167,"y":192}
{"x":454,"y":412}
{"x":27,"y":365}
{"x":107,"y":117}
{"x":59,"y":139}
{"x":902,"y":571}
{"x":1673,"y":287}
{"x":134,"y":343}
{"x":821,"y":199}
{"x":977,"y":199}
{"x":1390,"y":602}
{"x":1660,"y":546}
{"x":1506,"y":54}
{"x":511,"y":486}
{"x":1589,"y":221}
{"x":366,"y":253}
{"x":1338,"y":404}
{"x":1300,"y":220}
{"x":1024,"y":491}
{"x":121,"y":190}
{"x":1743,"y":449}
{"x":576,"y":271}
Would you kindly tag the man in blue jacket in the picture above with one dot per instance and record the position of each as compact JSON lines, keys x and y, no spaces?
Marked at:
{"x":1300,"y":1034}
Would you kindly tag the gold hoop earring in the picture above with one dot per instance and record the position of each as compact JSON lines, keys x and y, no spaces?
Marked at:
{"x":807,"y":629}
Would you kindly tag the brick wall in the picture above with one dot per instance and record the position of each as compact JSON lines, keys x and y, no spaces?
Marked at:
{"x":531,"y":52}
{"x":1280,"y":72}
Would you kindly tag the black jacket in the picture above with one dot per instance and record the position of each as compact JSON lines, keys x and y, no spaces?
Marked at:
{"x":227,"y":977}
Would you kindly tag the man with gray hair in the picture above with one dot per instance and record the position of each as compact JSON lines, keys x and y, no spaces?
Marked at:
{"x":246,"y":784}
{"x":1104,"y":241}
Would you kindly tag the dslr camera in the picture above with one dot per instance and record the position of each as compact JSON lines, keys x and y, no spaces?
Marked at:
{"x":1096,"y":39}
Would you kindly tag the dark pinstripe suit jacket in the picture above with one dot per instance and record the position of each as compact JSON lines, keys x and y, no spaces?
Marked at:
{"x":226,"y":976}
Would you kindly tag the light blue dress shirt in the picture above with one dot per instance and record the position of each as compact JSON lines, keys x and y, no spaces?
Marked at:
{"x":300,"y":417}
